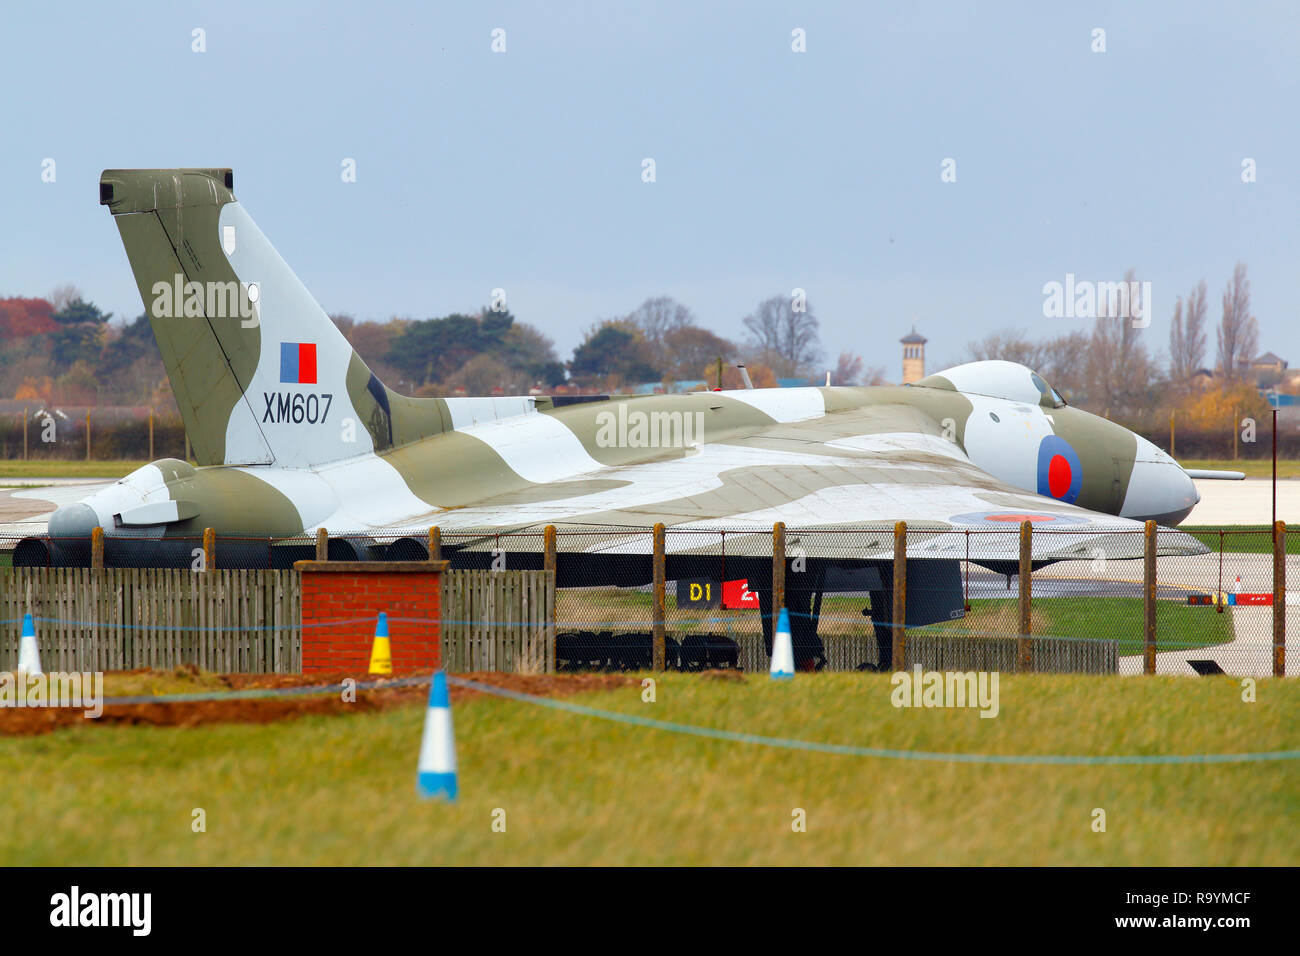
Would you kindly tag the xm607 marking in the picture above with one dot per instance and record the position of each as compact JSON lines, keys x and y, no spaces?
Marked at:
{"x":296,"y":407}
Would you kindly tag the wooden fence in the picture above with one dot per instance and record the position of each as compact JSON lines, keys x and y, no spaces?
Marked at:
{"x":498,"y":621}
{"x":1048,"y":655}
{"x":231,"y":620}
{"x":124,"y":618}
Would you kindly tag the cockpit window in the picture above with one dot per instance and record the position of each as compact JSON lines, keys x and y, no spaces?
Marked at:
{"x":1049,"y":393}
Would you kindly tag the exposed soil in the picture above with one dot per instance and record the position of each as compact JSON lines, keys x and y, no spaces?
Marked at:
{"x":29,"y":721}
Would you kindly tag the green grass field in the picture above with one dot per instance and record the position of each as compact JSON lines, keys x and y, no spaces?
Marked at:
{"x":1243,"y":539}
{"x":53,"y":468}
{"x":579,"y":790}
{"x":1252,"y":467}
{"x":1180,"y":626}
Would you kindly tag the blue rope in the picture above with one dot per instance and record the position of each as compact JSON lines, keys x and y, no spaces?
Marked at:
{"x":731,"y":736}
{"x":786,"y":743}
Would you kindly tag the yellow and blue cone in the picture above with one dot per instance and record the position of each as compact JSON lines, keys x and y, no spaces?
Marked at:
{"x":381,"y":654}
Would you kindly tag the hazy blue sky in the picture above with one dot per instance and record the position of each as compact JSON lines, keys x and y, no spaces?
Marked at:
{"x":775,"y":169}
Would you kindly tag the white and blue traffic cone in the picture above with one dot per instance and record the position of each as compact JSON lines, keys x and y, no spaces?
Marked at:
{"x":782,"y":648}
{"x":437,"y":771}
{"x":29,"y":653}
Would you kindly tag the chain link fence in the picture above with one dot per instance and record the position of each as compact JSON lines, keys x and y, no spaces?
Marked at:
{"x":1093,"y":602}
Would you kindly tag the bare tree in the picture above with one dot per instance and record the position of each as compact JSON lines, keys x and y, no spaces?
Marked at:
{"x":659,"y":316}
{"x":1187,"y":337}
{"x":61,"y":296}
{"x":786,"y":340}
{"x":1238,"y":332}
{"x":1010,"y":345}
{"x":1178,"y":370}
{"x":1119,"y":371}
{"x":1063,"y":360}
{"x":848,"y":370}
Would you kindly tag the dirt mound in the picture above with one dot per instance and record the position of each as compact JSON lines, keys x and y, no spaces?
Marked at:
{"x":28,"y":721}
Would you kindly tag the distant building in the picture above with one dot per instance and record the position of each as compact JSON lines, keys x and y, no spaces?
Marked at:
{"x":913,"y":356}
{"x":1268,"y":362}
{"x":1269,"y":368}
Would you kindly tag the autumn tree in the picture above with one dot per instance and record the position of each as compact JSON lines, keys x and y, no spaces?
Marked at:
{"x":22,"y":318}
{"x":685,"y":350}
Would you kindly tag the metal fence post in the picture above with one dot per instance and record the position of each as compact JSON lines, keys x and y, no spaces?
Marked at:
{"x":1024,"y":646}
{"x":778,"y":570}
{"x":322,"y":544}
{"x":900,"y":596}
{"x":97,"y":548}
{"x":1149,"y":600}
{"x":435,"y":543}
{"x":659,"y":651}
{"x":209,"y":549}
{"x":1279,"y":599}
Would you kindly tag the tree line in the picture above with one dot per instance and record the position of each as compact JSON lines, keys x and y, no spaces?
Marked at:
{"x":63,"y":349}
{"x":1114,"y":368}
{"x":660,"y":341}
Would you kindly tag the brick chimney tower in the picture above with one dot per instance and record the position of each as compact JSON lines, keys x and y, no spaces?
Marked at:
{"x":913,"y":357}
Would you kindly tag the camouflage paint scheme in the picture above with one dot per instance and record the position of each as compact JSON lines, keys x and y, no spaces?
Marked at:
{"x":970,"y":447}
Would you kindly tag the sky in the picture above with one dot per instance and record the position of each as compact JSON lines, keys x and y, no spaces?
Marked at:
{"x":774,"y":169}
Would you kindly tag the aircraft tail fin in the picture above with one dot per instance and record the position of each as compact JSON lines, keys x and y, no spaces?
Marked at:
{"x":260,"y":372}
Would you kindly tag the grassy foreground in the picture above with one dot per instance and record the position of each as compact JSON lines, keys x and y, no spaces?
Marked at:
{"x":579,"y":790}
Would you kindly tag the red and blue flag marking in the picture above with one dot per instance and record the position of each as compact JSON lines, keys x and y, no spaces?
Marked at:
{"x":298,"y":363}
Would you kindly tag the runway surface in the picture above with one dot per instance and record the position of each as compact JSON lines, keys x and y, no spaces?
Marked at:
{"x":26,"y":509}
{"x":1246,"y":502}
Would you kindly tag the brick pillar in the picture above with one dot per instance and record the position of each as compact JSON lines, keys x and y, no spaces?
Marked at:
{"x":356,"y":591}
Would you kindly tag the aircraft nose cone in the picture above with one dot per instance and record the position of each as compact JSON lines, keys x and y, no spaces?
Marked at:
{"x":1181,"y":498}
{"x":73,"y":521}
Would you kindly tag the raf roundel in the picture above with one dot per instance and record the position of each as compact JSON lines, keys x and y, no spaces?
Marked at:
{"x":1060,"y":473}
